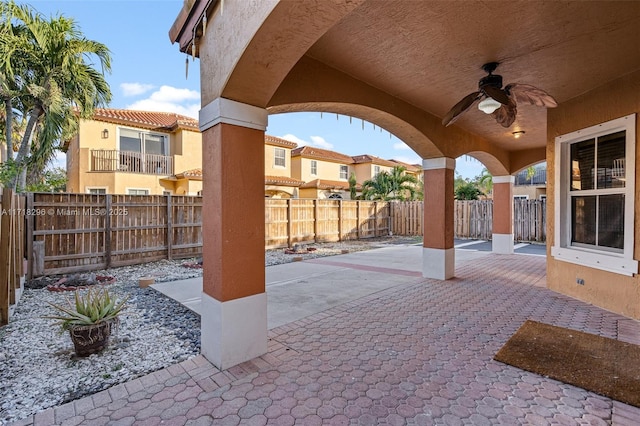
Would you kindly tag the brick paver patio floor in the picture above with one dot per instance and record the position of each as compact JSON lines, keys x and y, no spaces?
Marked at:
{"x":418,"y":354}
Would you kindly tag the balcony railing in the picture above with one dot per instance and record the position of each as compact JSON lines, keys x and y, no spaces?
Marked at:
{"x":103,"y":160}
{"x":539,"y":177}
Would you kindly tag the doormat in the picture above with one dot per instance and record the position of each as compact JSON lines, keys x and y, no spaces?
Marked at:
{"x":605,"y":366}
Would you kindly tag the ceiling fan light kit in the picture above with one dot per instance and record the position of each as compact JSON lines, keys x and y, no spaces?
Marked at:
{"x":488,"y":105}
{"x":500,"y":102}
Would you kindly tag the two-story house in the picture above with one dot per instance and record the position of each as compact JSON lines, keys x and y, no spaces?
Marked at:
{"x":325,"y":173}
{"x":367,"y":166}
{"x":278,"y":180}
{"x":135,"y":152}
{"x":141,"y":152}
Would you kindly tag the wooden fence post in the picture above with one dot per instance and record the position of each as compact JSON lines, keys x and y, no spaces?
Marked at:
{"x":289,"y":240}
{"x":30,"y":225}
{"x":169,"y":227}
{"x":13,"y":250}
{"x":358,"y":224}
{"x":315,"y":220}
{"x":339,"y":220}
{"x":107,"y":231}
{"x":375,"y":218}
{"x":5,"y":229}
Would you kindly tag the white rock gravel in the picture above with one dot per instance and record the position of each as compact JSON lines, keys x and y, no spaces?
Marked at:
{"x":38,"y":368}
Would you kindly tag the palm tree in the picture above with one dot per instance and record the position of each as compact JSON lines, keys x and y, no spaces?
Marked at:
{"x":13,"y":65}
{"x":485,"y":181}
{"x":403,"y":185}
{"x":353,"y":186}
{"x":57,"y":82}
{"x":377,"y":188}
{"x":396,"y":185}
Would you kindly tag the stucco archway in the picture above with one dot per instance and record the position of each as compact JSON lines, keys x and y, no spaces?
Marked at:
{"x":403,"y":64}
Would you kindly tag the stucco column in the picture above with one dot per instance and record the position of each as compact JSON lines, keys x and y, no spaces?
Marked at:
{"x":234,"y":302}
{"x":503,"y":214}
{"x":438,"y":255}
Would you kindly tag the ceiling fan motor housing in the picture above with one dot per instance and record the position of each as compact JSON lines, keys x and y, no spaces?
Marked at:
{"x":491,"y":80}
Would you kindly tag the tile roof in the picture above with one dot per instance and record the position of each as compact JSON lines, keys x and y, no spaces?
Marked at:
{"x":195,"y":174}
{"x":416,"y":168}
{"x":275,"y":141}
{"x":321,"y":154}
{"x":328,"y":184}
{"x":366,"y":158}
{"x":167,"y":121}
{"x":282,"y":180}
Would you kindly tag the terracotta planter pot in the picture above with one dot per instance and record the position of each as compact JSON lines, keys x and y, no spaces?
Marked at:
{"x":89,"y":339}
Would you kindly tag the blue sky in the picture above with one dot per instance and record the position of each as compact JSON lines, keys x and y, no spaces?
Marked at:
{"x":148,"y":73}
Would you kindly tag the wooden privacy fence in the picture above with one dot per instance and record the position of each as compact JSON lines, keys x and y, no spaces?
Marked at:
{"x":406,"y":218}
{"x":293,"y":221}
{"x":12,"y":237}
{"x":474,"y":219}
{"x":530,"y":220}
{"x":84,"y":232}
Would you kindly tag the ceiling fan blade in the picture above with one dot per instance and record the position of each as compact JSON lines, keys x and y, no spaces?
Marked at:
{"x":497,"y":94}
{"x":460,"y":107}
{"x":525,"y":93}
{"x":506,"y":114}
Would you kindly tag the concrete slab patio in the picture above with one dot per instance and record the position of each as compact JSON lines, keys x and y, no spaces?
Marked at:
{"x":418,"y":352}
{"x":299,"y":289}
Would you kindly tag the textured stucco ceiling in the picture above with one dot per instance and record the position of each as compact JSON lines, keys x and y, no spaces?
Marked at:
{"x":430,"y":54}
{"x":402,"y":64}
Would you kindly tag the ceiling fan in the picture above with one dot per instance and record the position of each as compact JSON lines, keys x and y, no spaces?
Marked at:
{"x":500,"y":103}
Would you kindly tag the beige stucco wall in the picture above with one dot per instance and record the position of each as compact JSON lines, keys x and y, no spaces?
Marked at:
{"x":366,"y":171}
{"x":184,"y":145}
{"x":278,"y":191}
{"x":270,"y":169}
{"x":186,"y":148}
{"x":327,"y":170}
{"x":531,"y":191}
{"x":322,"y":194}
{"x":615,"y":292}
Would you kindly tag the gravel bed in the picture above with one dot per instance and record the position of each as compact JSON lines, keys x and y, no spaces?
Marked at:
{"x":38,"y":367}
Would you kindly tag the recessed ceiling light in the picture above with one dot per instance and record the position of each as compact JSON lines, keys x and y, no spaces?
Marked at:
{"x":518,"y":134}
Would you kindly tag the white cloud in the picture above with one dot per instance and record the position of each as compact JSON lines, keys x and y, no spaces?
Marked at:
{"x":401,"y":146}
{"x":293,"y":138}
{"x":318,"y":141}
{"x":135,"y":89}
{"x":170,"y":99}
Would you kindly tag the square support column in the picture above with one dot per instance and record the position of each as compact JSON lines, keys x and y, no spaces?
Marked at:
{"x":503,"y":214}
{"x":438,"y":256}
{"x":234,"y":302}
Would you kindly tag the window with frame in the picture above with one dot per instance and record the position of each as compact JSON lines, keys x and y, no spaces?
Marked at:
{"x":279,"y":157}
{"x":314,"y":167}
{"x":595,"y":176}
{"x":133,"y":191}
{"x":344,"y":172}
{"x":376,"y":170}
{"x":99,"y":191}
{"x":143,"y":142}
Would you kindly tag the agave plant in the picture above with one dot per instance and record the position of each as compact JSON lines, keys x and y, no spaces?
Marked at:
{"x":92,"y":307}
